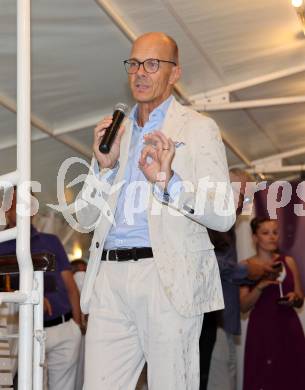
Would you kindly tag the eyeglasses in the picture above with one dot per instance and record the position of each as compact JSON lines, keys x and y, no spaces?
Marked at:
{"x":151,"y":65}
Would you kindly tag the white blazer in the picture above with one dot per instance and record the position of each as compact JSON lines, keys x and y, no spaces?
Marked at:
{"x":181,"y":246}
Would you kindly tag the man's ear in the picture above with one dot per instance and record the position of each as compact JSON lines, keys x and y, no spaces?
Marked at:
{"x":175,"y":74}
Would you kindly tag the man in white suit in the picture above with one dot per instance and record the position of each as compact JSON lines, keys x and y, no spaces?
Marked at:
{"x":152,"y":271}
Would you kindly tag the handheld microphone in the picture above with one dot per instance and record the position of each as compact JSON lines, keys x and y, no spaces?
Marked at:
{"x":119,"y":113}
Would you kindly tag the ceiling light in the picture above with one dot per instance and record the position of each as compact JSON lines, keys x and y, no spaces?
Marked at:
{"x":300,"y":10}
{"x":76,"y":254}
{"x":297,"y":3}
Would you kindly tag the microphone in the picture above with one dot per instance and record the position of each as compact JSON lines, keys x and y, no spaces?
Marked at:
{"x":119,"y":113}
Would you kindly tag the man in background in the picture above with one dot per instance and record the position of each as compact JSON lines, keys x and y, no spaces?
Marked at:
{"x":62,"y":317}
{"x":79,"y":267}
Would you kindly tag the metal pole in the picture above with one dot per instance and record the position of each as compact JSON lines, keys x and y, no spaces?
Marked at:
{"x":251,"y":82}
{"x":279,"y":156}
{"x":248,"y":104}
{"x":39,"y":335}
{"x":25,"y":348}
{"x":14,"y":297}
{"x":8,"y":180}
{"x":287,"y":168}
{"x":8,"y":234}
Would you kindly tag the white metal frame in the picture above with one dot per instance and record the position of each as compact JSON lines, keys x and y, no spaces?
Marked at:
{"x":46,"y":129}
{"x":219,"y":99}
{"x":29,"y":295}
{"x":274,"y":163}
{"x":251,"y":82}
{"x":208,"y":104}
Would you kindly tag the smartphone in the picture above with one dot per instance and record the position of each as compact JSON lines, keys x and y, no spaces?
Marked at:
{"x":277,"y":266}
{"x":283,"y":300}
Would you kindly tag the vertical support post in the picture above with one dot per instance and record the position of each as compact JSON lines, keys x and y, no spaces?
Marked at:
{"x":25,"y":348}
{"x":39,"y":335}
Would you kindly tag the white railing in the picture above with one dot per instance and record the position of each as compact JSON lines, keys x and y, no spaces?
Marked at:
{"x":31,"y":333}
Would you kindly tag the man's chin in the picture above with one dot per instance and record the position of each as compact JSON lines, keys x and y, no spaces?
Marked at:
{"x":141,"y":98}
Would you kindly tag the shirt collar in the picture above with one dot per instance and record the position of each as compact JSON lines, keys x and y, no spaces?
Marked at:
{"x":159,"y":111}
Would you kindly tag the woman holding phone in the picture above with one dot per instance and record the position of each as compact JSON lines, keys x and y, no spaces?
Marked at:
{"x":275,"y":342}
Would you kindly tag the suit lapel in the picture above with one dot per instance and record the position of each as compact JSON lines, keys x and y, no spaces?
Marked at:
{"x":124,"y":151}
{"x":174,"y":122}
{"x":173,"y":126}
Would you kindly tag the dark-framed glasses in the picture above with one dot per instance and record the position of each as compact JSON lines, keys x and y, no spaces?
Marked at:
{"x":151,"y":65}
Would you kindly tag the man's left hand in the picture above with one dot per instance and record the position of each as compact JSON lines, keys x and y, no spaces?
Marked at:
{"x":156,"y":158}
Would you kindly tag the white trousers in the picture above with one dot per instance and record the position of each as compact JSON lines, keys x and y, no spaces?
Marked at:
{"x":132,"y":321}
{"x":222,"y":375}
{"x":62,"y":351}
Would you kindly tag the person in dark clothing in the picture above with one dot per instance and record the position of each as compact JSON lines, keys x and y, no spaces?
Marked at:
{"x":61,"y":306}
{"x":275,"y":342}
{"x":232,"y":275}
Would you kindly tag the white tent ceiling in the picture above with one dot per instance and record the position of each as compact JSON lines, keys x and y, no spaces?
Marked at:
{"x":77,"y":72}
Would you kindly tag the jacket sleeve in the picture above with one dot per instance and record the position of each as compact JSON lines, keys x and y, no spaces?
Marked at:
{"x":209,"y":199}
{"x":230,"y":270}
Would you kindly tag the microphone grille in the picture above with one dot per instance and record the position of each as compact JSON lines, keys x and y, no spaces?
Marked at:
{"x":121,"y":107}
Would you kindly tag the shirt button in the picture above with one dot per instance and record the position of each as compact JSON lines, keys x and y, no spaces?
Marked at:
{"x":97,"y":244}
{"x":108,"y":213}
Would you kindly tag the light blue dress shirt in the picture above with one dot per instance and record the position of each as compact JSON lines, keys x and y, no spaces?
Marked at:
{"x":131,"y":224}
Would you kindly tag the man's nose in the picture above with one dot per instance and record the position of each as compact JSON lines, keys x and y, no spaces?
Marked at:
{"x":141,"y":76}
{"x":141,"y":70}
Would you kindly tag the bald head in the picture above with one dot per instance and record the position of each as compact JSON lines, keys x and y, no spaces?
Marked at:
{"x":159,"y":39}
{"x":159,"y":53}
